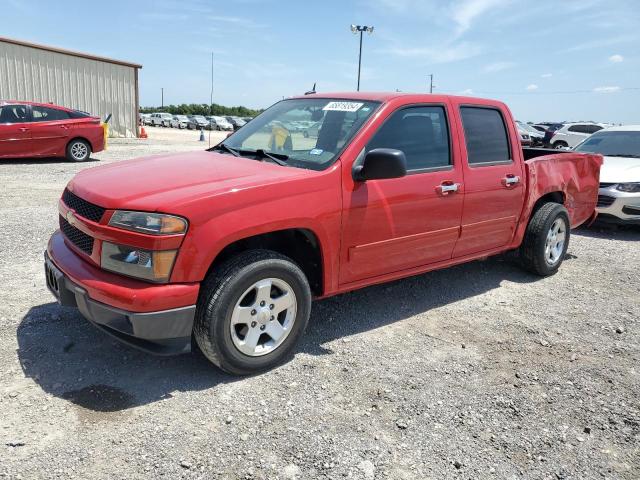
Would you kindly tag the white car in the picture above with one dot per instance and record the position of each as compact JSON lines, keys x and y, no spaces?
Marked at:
{"x":571,"y":134}
{"x":619,"y":196}
{"x":161,"y":119}
{"x":536,"y":137}
{"x":179,"y":121}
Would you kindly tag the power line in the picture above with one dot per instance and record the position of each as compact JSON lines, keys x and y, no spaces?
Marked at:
{"x":561,"y":92}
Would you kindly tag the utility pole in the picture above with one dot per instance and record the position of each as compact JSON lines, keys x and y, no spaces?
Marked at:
{"x":355,"y":29}
{"x":431,"y":83}
{"x":161,"y":97}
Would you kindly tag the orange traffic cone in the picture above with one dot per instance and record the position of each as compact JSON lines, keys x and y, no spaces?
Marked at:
{"x":143,"y":133}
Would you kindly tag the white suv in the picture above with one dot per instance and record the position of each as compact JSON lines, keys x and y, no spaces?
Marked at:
{"x":573,"y":133}
{"x":161,"y":119}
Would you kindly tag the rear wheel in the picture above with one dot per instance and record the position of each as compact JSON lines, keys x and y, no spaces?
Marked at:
{"x":546,"y":240}
{"x":560,"y":144}
{"x":78,"y":150}
{"x":252,"y":311}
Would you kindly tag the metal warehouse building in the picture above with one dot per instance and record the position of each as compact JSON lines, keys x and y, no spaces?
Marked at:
{"x":96,"y":85}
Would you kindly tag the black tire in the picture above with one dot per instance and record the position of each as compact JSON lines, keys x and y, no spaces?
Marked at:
{"x":560,"y":144}
{"x":78,"y":150}
{"x":532,"y":250}
{"x":221,"y":291}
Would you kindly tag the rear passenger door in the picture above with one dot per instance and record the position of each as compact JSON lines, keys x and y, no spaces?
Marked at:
{"x":494,"y":179}
{"x":50,"y":130}
{"x":397,"y":224}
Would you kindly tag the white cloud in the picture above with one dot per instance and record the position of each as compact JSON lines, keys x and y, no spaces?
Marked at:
{"x":466,"y":11}
{"x":531,"y":87}
{"x":444,"y":54}
{"x":498,"y":67}
{"x":616,"y":58}
{"x":608,"y":89}
{"x":546,"y":75}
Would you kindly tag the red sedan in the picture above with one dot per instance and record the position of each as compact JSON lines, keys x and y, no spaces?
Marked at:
{"x":30,"y":129}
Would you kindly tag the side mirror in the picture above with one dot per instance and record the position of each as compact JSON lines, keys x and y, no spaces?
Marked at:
{"x":381,"y":163}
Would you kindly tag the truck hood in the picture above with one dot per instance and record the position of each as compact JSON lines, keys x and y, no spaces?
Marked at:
{"x":164,"y":182}
{"x":620,"y":170}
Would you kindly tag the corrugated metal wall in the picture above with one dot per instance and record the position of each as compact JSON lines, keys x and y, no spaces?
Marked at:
{"x":92,"y":86}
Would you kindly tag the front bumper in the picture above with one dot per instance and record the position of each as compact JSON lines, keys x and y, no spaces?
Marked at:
{"x":165,"y":332}
{"x":618,"y":207}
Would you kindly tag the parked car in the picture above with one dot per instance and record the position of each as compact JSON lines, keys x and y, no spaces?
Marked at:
{"x":197,"y":122}
{"x":619,"y":199}
{"x":536,"y":137}
{"x":548,"y":128}
{"x":247,"y":119}
{"x":219,"y":123}
{"x":237,"y":122}
{"x":161,"y":119}
{"x":525,"y":138}
{"x":146,"y":119}
{"x":571,"y":134}
{"x":230,"y":245}
{"x":179,"y":121}
{"x":29,"y":129}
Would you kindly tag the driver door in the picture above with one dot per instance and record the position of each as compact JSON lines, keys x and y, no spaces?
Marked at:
{"x":397,"y":224}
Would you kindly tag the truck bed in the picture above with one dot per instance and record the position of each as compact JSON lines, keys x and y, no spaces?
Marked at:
{"x":577,"y":175}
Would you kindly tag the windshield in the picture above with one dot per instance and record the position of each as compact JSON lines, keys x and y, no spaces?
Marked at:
{"x":311,"y":132}
{"x":613,"y":143}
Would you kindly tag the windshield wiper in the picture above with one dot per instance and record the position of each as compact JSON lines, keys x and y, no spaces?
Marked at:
{"x":278,"y":158}
{"x":628,"y":155}
{"x":227,"y":148}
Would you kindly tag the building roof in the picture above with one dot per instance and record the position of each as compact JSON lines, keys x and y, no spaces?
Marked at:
{"x":69,"y":52}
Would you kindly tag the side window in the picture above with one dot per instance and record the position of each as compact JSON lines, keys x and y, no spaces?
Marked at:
{"x":581,"y":129}
{"x":45,"y":114}
{"x":421,"y":133}
{"x":594,"y":128}
{"x":485,"y":134}
{"x":13,"y":114}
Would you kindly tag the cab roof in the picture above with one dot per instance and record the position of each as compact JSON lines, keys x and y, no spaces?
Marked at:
{"x":388,"y":96}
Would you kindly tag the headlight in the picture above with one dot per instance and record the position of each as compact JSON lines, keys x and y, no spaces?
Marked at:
{"x":155,"y":266}
{"x":149,"y":223}
{"x":629,"y":187}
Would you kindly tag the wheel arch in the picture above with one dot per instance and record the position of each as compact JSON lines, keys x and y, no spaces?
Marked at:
{"x":302,"y":245}
{"x":79,"y":137}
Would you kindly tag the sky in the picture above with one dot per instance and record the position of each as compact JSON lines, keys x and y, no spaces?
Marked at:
{"x":548,"y":60}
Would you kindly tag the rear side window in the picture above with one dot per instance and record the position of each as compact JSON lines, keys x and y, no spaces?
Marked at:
{"x":485,"y":134}
{"x":421,"y":133}
{"x":13,"y":114}
{"x":46,"y":114}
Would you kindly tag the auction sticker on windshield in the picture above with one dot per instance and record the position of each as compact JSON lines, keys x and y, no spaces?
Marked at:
{"x":342,"y":106}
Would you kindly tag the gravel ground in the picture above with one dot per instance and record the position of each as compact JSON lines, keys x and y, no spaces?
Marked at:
{"x":478,"y":371}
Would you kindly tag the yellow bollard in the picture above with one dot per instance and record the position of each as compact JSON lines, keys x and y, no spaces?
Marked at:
{"x":105,"y":127}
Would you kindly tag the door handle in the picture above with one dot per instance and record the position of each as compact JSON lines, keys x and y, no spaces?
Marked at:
{"x":447,"y":188}
{"x":24,"y":129}
{"x":64,"y":127}
{"x":510,"y":180}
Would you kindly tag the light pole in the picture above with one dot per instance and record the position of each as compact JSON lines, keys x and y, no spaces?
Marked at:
{"x":355,"y":29}
{"x":431,"y":83}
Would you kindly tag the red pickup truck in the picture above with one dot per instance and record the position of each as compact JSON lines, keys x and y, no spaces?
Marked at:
{"x":319,"y":195}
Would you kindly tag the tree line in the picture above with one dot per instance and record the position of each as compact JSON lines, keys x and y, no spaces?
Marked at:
{"x":203,"y":109}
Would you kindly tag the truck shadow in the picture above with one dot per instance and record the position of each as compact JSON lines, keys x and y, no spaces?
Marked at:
{"x":71,"y":359}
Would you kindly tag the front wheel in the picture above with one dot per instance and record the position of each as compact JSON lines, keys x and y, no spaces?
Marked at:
{"x":559,"y":145}
{"x":252,"y":311}
{"x":546,"y":240}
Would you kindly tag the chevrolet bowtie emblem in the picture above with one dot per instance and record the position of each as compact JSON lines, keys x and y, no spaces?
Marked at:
{"x":71,"y":218}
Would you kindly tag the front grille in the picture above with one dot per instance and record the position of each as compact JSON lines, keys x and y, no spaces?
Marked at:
{"x":83,"y":208}
{"x":80,"y":239}
{"x":605,"y":200}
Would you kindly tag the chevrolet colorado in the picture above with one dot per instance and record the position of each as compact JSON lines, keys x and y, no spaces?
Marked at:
{"x":227,"y":247}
